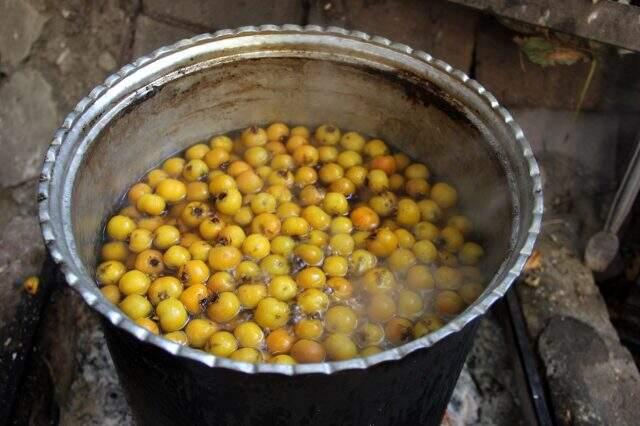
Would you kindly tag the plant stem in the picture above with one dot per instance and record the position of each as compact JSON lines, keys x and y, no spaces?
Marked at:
{"x":585,"y":87}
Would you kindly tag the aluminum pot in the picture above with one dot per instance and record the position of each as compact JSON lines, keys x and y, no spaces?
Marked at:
{"x":215,"y":83}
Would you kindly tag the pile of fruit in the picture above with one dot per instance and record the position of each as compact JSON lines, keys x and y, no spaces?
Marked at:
{"x":283,"y":246}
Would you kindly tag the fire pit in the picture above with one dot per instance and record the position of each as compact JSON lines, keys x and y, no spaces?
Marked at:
{"x":179,"y":95}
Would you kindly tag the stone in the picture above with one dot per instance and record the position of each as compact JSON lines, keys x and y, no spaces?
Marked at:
{"x":151,"y":34}
{"x":20,"y":26}
{"x":516,"y":81}
{"x":563,"y":279}
{"x":438,"y":27}
{"x":220,"y":14}
{"x":19,"y":200}
{"x":107,"y":62}
{"x":586,"y":366}
{"x":589,"y":384}
{"x":65,"y":61}
{"x":24,"y":195}
{"x":77,"y":33}
{"x":28,"y":118}
{"x":21,"y":255}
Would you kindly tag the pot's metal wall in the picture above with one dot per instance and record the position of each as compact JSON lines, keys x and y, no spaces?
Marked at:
{"x":163,"y":389}
{"x":175,"y":93}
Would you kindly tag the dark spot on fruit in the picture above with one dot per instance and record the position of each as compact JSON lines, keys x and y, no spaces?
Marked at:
{"x":405,"y":336}
{"x":297,"y":264}
{"x":223,"y":241}
{"x":204,"y":303}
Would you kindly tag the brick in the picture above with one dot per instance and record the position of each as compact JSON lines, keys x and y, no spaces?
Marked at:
{"x":444,"y":30}
{"x":226,"y":13}
{"x":583,"y":143}
{"x":518,"y":82}
{"x":151,"y":34}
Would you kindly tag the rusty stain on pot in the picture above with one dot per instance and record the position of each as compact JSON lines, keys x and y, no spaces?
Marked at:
{"x":149,"y":93}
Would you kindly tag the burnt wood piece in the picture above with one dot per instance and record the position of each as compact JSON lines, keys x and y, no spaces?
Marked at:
{"x":17,"y":340}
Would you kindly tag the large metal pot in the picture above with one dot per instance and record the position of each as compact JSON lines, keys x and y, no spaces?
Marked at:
{"x":214,"y":83}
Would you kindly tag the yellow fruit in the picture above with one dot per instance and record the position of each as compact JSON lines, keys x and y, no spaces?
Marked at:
{"x":120,"y":227}
{"x":221,"y":343}
{"x":328,"y":134}
{"x":444,"y":195}
{"x":224,"y":307}
{"x":254,"y":136}
{"x":249,"y":335}
{"x":172,"y":315}
{"x":224,"y":258}
{"x":341,"y":319}
{"x":199,"y":331}
{"x":251,"y":294}
{"x":339,"y":347}
{"x":271,"y":313}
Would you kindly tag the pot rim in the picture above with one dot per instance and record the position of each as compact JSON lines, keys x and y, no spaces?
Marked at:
{"x":54,"y":238}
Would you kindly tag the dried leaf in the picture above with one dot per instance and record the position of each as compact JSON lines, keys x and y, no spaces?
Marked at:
{"x":532,"y":280}
{"x":546,"y":52}
{"x":535,"y":261}
{"x":565,"y":56}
